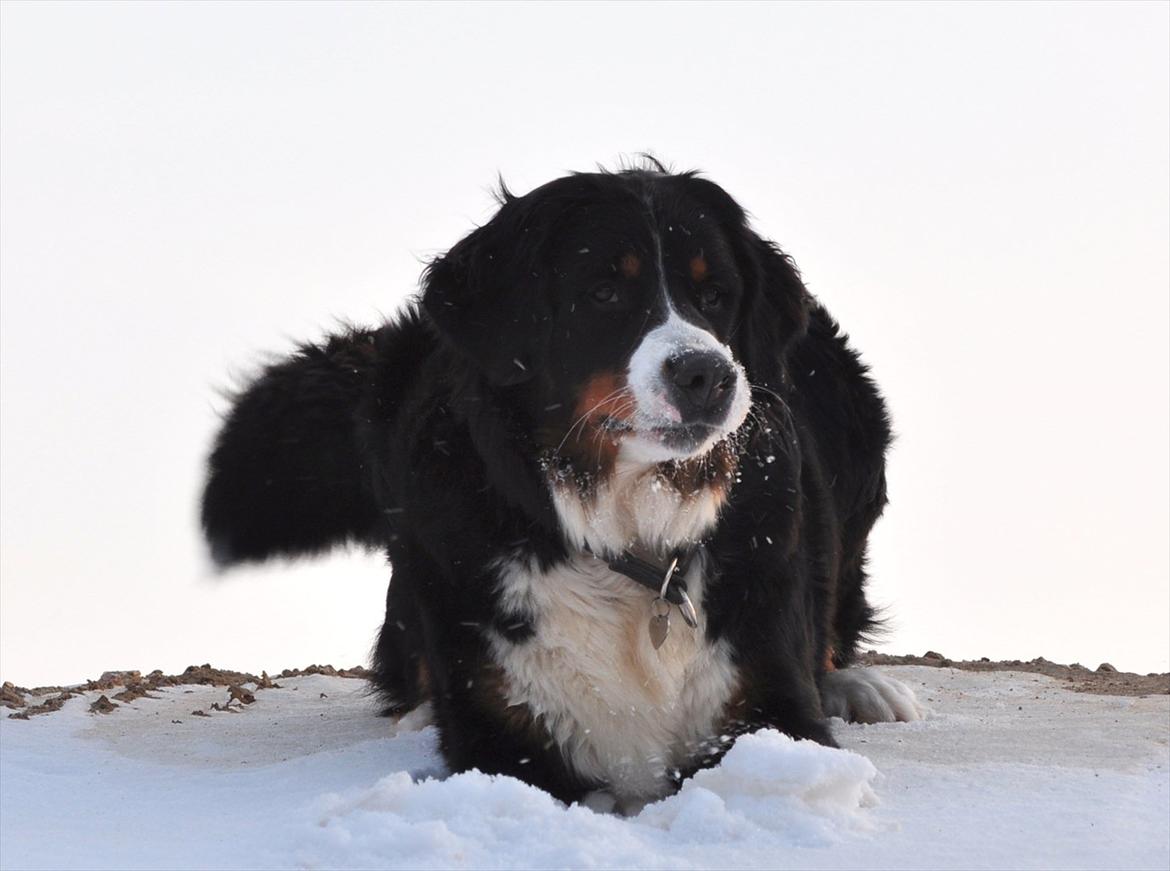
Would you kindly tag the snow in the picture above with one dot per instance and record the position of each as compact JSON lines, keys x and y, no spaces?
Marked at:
{"x":1007,"y":770}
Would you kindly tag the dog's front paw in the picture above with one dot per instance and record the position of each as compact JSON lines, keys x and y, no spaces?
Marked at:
{"x":865,"y":695}
{"x":414,"y":720}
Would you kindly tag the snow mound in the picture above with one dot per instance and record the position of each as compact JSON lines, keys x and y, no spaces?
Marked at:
{"x":770,"y":783}
{"x":1008,"y":771}
{"x":768,"y":788}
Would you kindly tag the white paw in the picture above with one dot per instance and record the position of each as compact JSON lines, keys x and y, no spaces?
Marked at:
{"x":600,"y":801}
{"x":865,"y":695}
{"x":414,"y":720}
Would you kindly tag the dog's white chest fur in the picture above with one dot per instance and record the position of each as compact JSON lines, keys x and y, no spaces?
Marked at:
{"x":621,"y":711}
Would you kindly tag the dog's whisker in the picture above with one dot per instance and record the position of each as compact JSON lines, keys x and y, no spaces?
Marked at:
{"x":580,"y":422}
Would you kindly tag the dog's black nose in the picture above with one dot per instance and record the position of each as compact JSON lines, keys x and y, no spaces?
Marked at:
{"x":702,"y":384}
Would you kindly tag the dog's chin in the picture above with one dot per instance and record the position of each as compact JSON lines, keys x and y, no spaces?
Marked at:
{"x":662,"y":444}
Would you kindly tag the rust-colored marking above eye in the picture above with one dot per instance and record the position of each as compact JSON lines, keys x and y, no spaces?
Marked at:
{"x":698,"y":268}
{"x":631,"y":265}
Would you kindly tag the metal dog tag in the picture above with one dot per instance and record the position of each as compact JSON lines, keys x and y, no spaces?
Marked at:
{"x":659,"y":622}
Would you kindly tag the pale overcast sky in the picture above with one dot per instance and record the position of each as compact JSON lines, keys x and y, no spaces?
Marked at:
{"x":979,"y":192}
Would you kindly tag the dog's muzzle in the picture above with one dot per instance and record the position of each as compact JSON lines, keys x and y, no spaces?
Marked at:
{"x":689,"y":391}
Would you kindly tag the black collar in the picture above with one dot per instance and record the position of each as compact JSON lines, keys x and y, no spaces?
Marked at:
{"x":651,"y":574}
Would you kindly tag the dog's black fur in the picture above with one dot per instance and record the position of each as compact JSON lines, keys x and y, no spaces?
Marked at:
{"x":425,"y":438}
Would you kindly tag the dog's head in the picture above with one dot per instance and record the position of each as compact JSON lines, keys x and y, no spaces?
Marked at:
{"x":629,"y":315}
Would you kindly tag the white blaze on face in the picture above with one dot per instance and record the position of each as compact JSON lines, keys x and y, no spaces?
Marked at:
{"x":655,"y":412}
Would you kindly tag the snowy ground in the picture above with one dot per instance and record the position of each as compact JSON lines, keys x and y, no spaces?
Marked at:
{"x":1009,"y":770}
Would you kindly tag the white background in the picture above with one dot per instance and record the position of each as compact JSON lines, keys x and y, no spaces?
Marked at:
{"x":980,"y":193}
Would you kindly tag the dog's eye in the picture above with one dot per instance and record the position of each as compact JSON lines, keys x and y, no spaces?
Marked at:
{"x":606,"y":294}
{"x":711,"y":297}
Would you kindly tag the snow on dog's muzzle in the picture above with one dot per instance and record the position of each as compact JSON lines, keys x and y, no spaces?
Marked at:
{"x":689,"y":391}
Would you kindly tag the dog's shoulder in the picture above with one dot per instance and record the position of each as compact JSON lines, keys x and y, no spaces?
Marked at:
{"x":843,"y":414}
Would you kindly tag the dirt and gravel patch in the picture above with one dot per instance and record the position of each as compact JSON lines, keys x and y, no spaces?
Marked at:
{"x":1105,"y":680}
{"x":132,"y":685}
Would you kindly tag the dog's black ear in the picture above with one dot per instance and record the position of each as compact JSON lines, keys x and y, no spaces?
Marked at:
{"x":486,"y":294}
{"x":776,"y":314}
{"x":777,"y":318}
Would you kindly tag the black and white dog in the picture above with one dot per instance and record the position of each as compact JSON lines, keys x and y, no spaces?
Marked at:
{"x":624,"y":467}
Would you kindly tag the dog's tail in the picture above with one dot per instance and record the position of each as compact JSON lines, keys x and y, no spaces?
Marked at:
{"x":290,"y":471}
